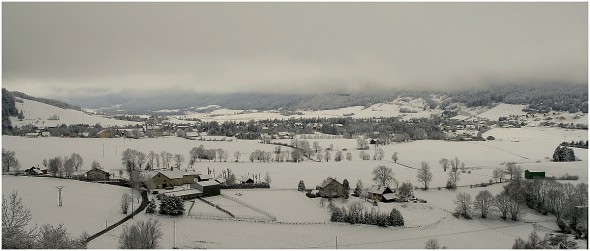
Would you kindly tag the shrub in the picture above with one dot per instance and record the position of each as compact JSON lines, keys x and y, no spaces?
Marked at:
{"x":151,"y":207}
{"x":171,"y":205}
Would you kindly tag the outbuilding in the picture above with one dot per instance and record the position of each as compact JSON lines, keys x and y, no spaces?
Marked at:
{"x":534,"y":174}
{"x":209,"y":187}
{"x":96,"y":174}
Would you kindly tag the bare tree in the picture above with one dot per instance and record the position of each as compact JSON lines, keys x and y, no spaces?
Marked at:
{"x":141,"y":235}
{"x":502,"y":203}
{"x":463,"y":205}
{"x":96,"y":165}
{"x":382,"y":175}
{"x":237,"y":156}
{"x":267,"y":178}
{"x":348,"y":156}
{"x":424,"y":174}
{"x":379,"y":154}
{"x":15,"y":217}
{"x":511,"y":169}
{"x":141,"y":159}
{"x":338,"y":156}
{"x":157,"y":160}
{"x":406,"y":189}
{"x":55,"y":166}
{"x":77,"y":161}
{"x":483,"y":202}
{"x":9,"y":160}
{"x":150,"y":159}
{"x":178,"y":159}
{"x":125,"y":198}
{"x":68,"y":167}
{"x":394,"y":157}
{"x":361,"y":143}
{"x":433,"y":244}
{"x":498,"y":174}
{"x":444,"y":163}
{"x":327,"y":156}
{"x":317,"y":147}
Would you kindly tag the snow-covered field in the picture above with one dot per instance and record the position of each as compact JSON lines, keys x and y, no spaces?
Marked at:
{"x":85,"y":206}
{"x":301,"y":221}
{"x":37,"y":114}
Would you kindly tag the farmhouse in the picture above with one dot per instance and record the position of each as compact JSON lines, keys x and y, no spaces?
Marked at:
{"x":97,"y":174}
{"x":35,"y":171}
{"x":171,"y":178}
{"x":331,"y":188}
{"x":187,"y":194}
{"x":384,"y":194}
{"x":209,"y":188}
{"x":534,"y":174}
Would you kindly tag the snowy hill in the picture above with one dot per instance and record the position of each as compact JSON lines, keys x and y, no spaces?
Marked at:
{"x":38,"y":114}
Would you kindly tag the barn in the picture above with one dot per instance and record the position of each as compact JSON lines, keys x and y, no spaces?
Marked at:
{"x":209,"y":187}
{"x":331,"y":188}
{"x":534,"y":174}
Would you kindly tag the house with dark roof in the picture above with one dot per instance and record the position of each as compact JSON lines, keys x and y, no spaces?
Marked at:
{"x":331,"y":188}
{"x":384,"y":194}
{"x":204,"y":177}
{"x":162,"y":179}
{"x":97,"y":174}
{"x":246,"y":180}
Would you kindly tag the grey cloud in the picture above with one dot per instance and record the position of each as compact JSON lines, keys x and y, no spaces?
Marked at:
{"x":59,"y":48}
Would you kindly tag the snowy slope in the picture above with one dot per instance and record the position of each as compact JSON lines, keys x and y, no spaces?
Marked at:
{"x":502,"y":110}
{"x":37,"y":113}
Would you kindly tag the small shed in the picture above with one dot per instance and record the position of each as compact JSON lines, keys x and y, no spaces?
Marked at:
{"x":534,"y":174}
{"x":246,"y":180}
{"x":209,"y":188}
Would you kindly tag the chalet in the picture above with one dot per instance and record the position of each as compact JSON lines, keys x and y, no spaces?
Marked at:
{"x":208,"y":188}
{"x":97,"y":174}
{"x":331,"y":188}
{"x":192,"y":135}
{"x":534,"y":174}
{"x":384,"y":194}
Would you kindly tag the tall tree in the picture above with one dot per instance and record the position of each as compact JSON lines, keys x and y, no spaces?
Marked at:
{"x":424,"y":174}
{"x":463,"y":205}
{"x":9,"y":160}
{"x":382,"y":175}
{"x":498,"y":174}
{"x":178,"y":160}
{"x":77,"y":161}
{"x":362,"y":143}
{"x":483,"y":202}
{"x":394,"y":157}
{"x":444,"y":163}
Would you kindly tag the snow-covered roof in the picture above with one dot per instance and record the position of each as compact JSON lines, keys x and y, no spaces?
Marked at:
{"x":380,"y":190}
{"x":327,"y":181}
{"x":176,"y":174}
{"x":205,"y":176}
{"x":220,"y":180}
{"x":208,"y":183}
{"x":389,"y":196}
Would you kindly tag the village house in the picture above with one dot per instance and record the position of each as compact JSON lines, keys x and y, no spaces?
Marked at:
{"x":104,"y":134}
{"x":97,"y":174}
{"x":331,"y":188}
{"x":204,"y":177}
{"x":384,"y":194}
{"x":246,"y":180}
{"x":36,"y":171}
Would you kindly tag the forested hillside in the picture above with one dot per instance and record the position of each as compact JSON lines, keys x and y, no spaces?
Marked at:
{"x":8,"y":109}
{"x":48,"y":101}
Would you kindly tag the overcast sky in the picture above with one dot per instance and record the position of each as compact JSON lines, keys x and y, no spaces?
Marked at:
{"x":56,"y":49}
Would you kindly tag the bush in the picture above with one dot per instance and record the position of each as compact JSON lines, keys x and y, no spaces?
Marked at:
{"x":355,"y":215}
{"x":171,"y":205}
{"x":151,"y":207}
{"x":141,"y":235}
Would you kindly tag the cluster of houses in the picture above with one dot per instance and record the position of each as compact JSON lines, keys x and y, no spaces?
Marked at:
{"x":331,"y":188}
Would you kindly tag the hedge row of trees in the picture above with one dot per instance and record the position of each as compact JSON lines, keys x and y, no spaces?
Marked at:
{"x":356,"y":213}
{"x":579,"y":144}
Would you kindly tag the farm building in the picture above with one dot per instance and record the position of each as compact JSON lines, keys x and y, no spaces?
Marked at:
{"x":104,"y":134}
{"x":97,"y":174}
{"x":534,"y":174}
{"x":209,"y":188}
{"x":187,"y":194}
{"x":171,"y":178}
{"x":204,"y":177}
{"x":35,"y":171}
{"x":331,"y":188}
{"x":220,"y":180}
{"x":384,"y":194}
